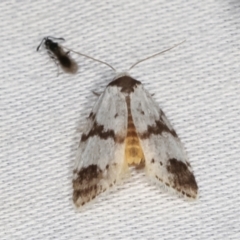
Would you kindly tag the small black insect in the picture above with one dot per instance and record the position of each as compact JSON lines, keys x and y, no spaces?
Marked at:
{"x":59,"y":56}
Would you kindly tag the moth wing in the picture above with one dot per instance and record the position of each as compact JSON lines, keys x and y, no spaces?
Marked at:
{"x":100,"y":156}
{"x":166,"y":161}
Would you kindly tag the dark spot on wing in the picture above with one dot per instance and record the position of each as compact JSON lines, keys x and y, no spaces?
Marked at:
{"x":86,"y":184}
{"x":89,"y":173}
{"x":92,"y":181}
{"x":98,"y":130}
{"x":181,"y":176}
{"x":156,"y":129}
{"x":126,"y":83}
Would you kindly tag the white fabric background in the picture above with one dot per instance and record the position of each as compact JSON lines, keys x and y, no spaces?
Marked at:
{"x":196,"y":84}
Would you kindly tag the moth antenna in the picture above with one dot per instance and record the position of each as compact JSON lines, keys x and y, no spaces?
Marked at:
{"x":94,"y":59}
{"x":154,"y":55}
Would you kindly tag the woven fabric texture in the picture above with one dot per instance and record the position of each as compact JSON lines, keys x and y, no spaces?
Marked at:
{"x":197,"y":85}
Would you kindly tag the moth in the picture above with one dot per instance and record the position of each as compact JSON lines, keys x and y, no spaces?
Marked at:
{"x":60,"y":57}
{"x":126,"y":127}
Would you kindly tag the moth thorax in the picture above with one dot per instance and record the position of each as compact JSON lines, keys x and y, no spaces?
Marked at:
{"x":133,"y":150}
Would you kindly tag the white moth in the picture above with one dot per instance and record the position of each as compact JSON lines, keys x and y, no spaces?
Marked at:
{"x":126,"y":127}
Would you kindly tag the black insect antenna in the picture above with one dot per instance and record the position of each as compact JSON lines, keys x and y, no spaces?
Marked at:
{"x":45,"y":39}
